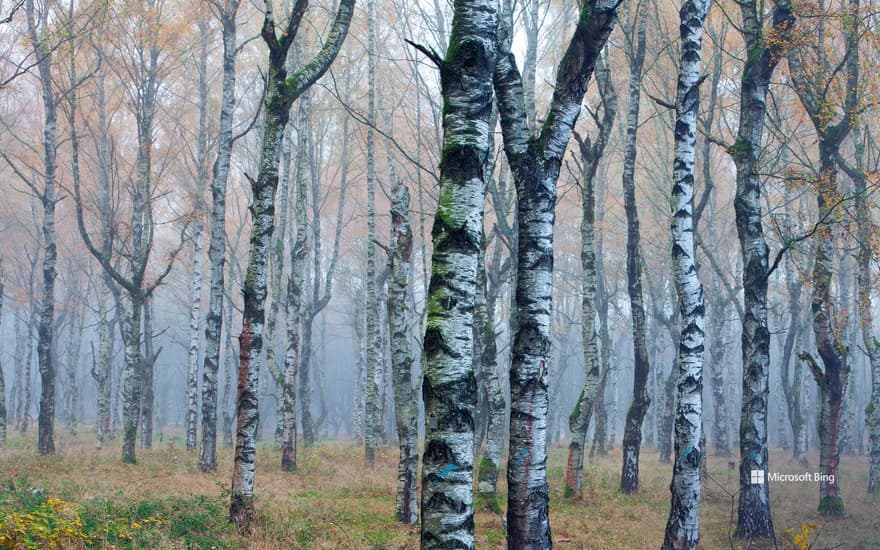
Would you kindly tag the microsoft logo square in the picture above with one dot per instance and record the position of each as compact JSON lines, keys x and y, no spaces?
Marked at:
{"x":757,"y":477}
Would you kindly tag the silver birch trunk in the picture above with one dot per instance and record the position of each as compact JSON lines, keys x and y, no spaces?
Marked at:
{"x":195,"y":317}
{"x":102,"y":369}
{"x":535,"y":164}
{"x":3,"y":418}
{"x":753,"y":517}
{"x":865,"y":305}
{"x":37,"y":30}
{"x":632,"y":435}
{"x":449,"y":384}
{"x":579,"y":419}
{"x":281,"y":92}
{"x":210,"y":463}
{"x":149,"y":365}
{"x":372,"y":397}
{"x":683,"y":524}
{"x":217,"y":256}
{"x":71,"y":392}
{"x":405,"y":400}
{"x":295,"y":292}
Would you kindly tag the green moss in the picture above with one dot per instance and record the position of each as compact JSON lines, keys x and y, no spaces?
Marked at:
{"x":740,"y":148}
{"x":869,"y":408}
{"x":487,"y":467}
{"x":572,"y":418}
{"x":831,"y":507}
{"x":490,"y":502}
{"x":568,"y":492}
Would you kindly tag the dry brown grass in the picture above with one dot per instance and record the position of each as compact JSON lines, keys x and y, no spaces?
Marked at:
{"x":334,"y":501}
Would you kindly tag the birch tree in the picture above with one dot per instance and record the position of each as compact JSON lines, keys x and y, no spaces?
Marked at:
{"x":3,"y":416}
{"x":763,"y":53}
{"x":449,"y":385}
{"x":632,"y":434}
{"x":399,"y":319}
{"x":591,"y":153}
{"x":683,"y":525}
{"x":281,"y":91}
{"x":226,"y":11}
{"x":815,"y":87}
{"x":535,"y":161}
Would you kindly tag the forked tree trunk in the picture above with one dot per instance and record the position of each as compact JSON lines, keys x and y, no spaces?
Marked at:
{"x":683,"y":524}
{"x":281,"y":92}
{"x":405,"y":399}
{"x":449,"y":384}
{"x":632,"y":432}
{"x":535,"y":162}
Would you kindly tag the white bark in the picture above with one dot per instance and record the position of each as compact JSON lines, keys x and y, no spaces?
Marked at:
{"x":683,"y":525}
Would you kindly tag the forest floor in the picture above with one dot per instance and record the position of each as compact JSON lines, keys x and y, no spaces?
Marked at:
{"x":334,"y":501}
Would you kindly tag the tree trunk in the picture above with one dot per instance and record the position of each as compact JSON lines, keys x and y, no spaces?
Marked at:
{"x":131,"y":376}
{"x":865,"y":304}
{"x":217,"y":256}
{"x":632,"y":434}
{"x":405,"y":399}
{"x":717,"y":360}
{"x":43,"y":53}
{"x":683,"y":524}
{"x":281,"y":92}
{"x":449,"y":384}
{"x":591,"y":154}
{"x":209,"y":463}
{"x":294,"y":304}
{"x":535,"y":162}
{"x":102,"y":369}
{"x":3,"y":418}
{"x":753,"y":518}
{"x":195,"y":315}
{"x":148,"y":395}
{"x":71,"y":392}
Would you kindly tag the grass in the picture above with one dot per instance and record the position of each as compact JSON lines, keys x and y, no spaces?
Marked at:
{"x":333,"y":501}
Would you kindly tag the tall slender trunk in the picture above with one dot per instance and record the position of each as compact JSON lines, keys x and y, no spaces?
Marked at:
{"x":295,"y":291}
{"x":210,"y":462}
{"x":449,"y":384}
{"x":632,"y":435}
{"x":281,"y":92}
{"x":43,"y":53}
{"x":717,"y":360}
{"x":865,"y":305}
{"x":591,"y":154}
{"x":753,"y":518}
{"x":3,"y":418}
{"x":683,"y":524}
{"x":195,"y":318}
{"x":405,"y":399}
{"x":217,"y":256}
{"x":373,"y":410}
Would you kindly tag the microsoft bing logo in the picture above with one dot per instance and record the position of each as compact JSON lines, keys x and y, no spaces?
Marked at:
{"x":757,"y":477}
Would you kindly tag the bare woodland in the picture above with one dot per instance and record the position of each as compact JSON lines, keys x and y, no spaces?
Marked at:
{"x":525,"y":251}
